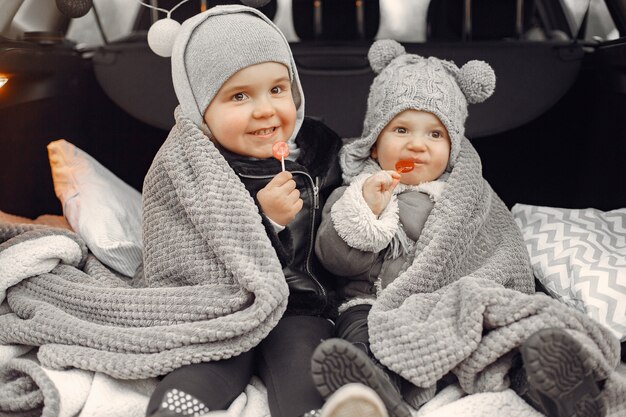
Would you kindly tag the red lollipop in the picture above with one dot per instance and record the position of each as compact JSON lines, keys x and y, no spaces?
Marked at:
{"x":402,"y":167}
{"x":280,"y":150}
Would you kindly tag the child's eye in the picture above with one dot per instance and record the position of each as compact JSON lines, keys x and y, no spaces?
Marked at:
{"x":239,"y":97}
{"x":401,"y":130}
{"x":277,"y":89}
{"x":437,"y":134}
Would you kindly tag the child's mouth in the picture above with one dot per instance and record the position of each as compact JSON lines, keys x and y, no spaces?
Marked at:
{"x":264,"y":132}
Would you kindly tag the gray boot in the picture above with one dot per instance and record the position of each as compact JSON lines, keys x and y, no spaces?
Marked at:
{"x":337,"y":362}
{"x":560,"y":382}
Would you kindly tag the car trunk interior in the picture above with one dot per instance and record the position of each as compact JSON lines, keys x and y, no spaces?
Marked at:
{"x":549,"y":136}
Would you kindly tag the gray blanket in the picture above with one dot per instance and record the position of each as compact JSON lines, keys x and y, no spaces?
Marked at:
{"x":465,"y":303}
{"x":212,"y":288}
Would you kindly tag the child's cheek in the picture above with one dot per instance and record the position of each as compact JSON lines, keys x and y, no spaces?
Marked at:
{"x":289,"y":119}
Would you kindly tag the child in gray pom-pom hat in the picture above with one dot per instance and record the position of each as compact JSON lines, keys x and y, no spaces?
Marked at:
{"x":395,"y":174}
{"x":396,"y":171}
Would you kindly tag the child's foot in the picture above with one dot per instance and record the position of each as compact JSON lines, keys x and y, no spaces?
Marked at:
{"x":354,"y":400}
{"x":177,"y":403}
{"x":336,"y":363}
{"x":560,"y":385}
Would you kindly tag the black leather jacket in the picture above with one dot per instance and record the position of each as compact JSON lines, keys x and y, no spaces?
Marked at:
{"x":317,"y":174}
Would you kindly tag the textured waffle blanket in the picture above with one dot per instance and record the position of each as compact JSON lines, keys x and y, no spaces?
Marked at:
{"x":465,"y":302}
{"x":212,"y":286}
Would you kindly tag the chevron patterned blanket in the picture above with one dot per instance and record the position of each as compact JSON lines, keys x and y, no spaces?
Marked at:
{"x":465,"y":303}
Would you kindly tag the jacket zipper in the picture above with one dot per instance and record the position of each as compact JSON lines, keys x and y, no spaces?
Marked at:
{"x":316,"y":205}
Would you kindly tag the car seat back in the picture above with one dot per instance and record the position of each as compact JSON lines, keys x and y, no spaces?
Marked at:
{"x":189,"y":9}
{"x":336,"y":19}
{"x":530,"y":78}
{"x":448,"y":20}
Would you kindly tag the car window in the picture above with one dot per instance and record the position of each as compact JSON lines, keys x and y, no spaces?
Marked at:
{"x":31,"y":16}
{"x":412,"y":21}
{"x":403,"y":20}
{"x":600,"y":25}
{"x":117,"y":18}
{"x":284,"y":20}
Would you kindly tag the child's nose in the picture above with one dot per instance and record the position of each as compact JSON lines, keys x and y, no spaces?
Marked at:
{"x":417,"y":142}
{"x":263,"y":108}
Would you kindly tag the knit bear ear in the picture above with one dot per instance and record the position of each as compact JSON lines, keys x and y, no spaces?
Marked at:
{"x":382,"y":52}
{"x":477,"y":81}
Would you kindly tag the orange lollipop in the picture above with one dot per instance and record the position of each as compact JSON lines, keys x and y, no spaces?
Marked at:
{"x":280,"y":150}
{"x":402,"y":167}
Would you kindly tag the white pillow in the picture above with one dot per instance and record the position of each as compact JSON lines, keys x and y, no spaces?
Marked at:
{"x":580,"y":257}
{"x":100,"y":207}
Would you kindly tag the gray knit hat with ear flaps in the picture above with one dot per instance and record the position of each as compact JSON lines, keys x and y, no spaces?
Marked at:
{"x":212,"y":46}
{"x":408,"y":81}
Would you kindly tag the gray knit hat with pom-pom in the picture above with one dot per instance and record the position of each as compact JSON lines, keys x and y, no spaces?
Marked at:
{"x":408,"y":81}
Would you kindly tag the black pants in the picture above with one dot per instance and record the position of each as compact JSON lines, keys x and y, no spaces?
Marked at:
{"x":282,"y":361}
{"x":352,"y":326}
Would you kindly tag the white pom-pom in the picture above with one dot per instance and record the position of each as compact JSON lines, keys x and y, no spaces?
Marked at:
{"x":382,"y":52}
{"x":161,"y":36}
{"x":477,"y":81}
{"x":255,"y":3}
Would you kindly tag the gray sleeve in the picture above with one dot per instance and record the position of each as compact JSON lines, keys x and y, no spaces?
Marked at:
{"x":333,"y":252}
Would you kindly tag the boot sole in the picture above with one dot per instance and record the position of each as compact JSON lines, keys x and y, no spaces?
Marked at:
{"x":559,"y":381}
{"x":337,"y":362}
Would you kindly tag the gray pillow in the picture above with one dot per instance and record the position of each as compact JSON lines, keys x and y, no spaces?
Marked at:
{"x":579,"y":255}
{"x":100,"y":207}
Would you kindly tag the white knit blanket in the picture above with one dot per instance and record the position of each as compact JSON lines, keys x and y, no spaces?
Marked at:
{"x":28,"y":388}
{"x":37,"y":390}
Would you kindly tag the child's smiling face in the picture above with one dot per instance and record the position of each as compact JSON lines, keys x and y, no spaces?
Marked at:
{"x":416,"y":136}
{"x":253,"y":110}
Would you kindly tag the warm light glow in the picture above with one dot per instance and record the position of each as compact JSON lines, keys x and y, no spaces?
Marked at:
{"x":3,"y":80}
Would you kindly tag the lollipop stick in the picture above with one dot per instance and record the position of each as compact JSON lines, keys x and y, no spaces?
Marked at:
{"x":280,"y":150}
